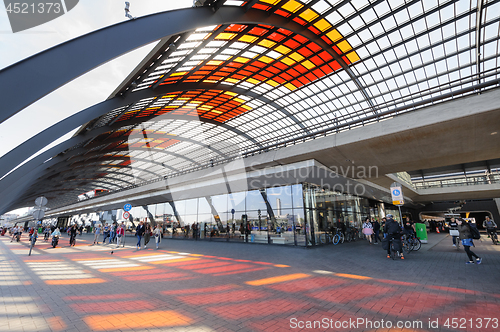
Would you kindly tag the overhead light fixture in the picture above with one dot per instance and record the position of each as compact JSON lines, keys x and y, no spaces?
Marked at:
{"x":494,"y":133}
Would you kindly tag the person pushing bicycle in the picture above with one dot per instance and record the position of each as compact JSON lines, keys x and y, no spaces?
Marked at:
{"x":491,"y":228}
{"x":393,"y":231}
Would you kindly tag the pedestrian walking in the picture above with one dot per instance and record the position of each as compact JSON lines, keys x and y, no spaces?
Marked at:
{"x":466,"y":236}
{"x":147,"y":234}
{"x":368,"y":230}
{"x":157,"y":233}
{"x":120,"y":234}
{"x":139,"y":232}
{"x":97,"y":232}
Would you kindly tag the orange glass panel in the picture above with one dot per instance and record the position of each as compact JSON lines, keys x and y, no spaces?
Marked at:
{"x":334,"y":35}
{"x":261,"y":7}
{"x":344,"y":46}
{"x":296,"y":56}
{"x":291,"y":43}
{"x":225,"y":36}
{"x":274,"y":280}
{"x":258,"y":31}
{"x":236,"y":28}
{"x":282,"y":13}
{"x":353,"y":56}
{"x":248,"y":39}
{"x":292,"y":6}
{"x":276,"y":37}
{"x":308,"y":64}
{"x":288,"y":61}
{"x":322,"y":25}
{"x":272,"y":2}
{"x":308,"y":15}
{"x":241,"y":59}
{"x":282,"y":49}
{"x":267,"y":43}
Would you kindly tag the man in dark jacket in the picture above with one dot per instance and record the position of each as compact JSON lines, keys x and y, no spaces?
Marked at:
{"x":393,"y":231}
{"x":139,"y":232}
{"x":376,"y":229}
{"x":467,"y":242}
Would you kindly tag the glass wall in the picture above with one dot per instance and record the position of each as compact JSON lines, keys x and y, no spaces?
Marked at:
{"x":300,"y":214}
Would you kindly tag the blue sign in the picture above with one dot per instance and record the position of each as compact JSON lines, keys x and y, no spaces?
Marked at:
{"x":396,"y":192}
{"x":127,"y":207}
{"x":232,"y":211}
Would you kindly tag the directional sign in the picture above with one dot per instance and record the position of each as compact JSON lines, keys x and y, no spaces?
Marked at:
{"x":126,"y":215}
{"x":127,"y":207}
{"x":397,"y":196}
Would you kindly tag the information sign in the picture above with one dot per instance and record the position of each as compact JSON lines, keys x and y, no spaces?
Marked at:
{"x":127,"y":207}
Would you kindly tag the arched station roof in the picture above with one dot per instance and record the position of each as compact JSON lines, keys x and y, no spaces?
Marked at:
{"x":250,"y":76}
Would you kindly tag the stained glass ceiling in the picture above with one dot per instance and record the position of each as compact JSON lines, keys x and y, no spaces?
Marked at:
{"x":247,"y":87}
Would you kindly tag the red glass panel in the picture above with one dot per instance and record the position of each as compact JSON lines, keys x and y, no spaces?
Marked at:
{"x":253,"y":69}
{"x":259,"y":64}
{"x":318,"y":73}
{"x":337,"y":49}
{"x":228,"y":69}
{"x":261,"y":7}
{"x":279,"y":80}
{"x":300,"y":39}
{"x":326,"y":40}
{"x":276,"y":37}
{"x":305,"y":52}
{"x":281,"y":65}
{"x":235,"y":64}
{"x":325,"y":56}
{"x":316,"y":60}
{"x":274,"y":70}
{"x":291,"y":43}
{"x":286,"y":77}
{"x":245,"y":72}
{"x":282,"y":13}
{"x":300,"y":68}
{"x":313,"y":29}
{"x":266,"y":73}
{"x":297,"y":83}
{"x":238,"y":77}
{"x":259,"y":77}
{"x":265,"y":26}
{"x":236,"y":27}
{"x":335,"y":65}
{"x":208,"y":68}
{"x":300,"y":21}
{"x":346,"y":60}
{"x":285,"y":31}
{"x":196,"y":77}
{"x":303,"y":80}
{"x":314,"y":47}
{"x":200,"y":72}
{"x":311,"y":77}
{"x":258,"y":31}
{"x":292,"y":72}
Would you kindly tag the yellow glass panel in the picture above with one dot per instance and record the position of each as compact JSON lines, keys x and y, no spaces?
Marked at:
{"x":209,"y":81}
{"x":292,"y":6}
{"x":152,"y":108}
{"x":272,"y":2}
{"x":296,"y":56}
{"x":232,"y":80}
{"x":218,"y":112}
{"x":247,"y":107}
{"x":248,"y":39}
{"x":183,"y":98}
{"x":282,"y":49}
{"x":197,"y":102}
{"x":322,"y":25}
{"x":239,"y":100}
{"x":267,"y":43}
{"x":353,"y":57}
{"x":344,"y":46}
{"x":214,"y":63}
{"x":266,"y":59}
{"x":288,"y":61}
{"x":225,"y":36}
{"x":334,"y":35}
{"x":309,"y":15}
{"x":290,"y":86}
{"x":308,"y":64}
{"x":242,"y":60}
{"x":179,"y":73}
{"x":272,"y":83}
{"x":253,"y":81}
{"x":230,"y":93}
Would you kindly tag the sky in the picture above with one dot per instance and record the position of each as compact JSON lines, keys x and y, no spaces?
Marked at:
{"x":85,"y":91}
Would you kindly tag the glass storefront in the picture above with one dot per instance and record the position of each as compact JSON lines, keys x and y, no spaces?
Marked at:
{"x":300,"y":214}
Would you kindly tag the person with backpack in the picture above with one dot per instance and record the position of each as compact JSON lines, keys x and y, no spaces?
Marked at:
{"x":465,"y":234}
{"x":393,"y":230}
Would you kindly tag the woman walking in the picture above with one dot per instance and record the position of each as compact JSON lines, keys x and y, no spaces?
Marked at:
{"x":147,"y":234}
{"x":157,"y":233}
{"x":466,"y":236}
{"x":97,"y":232}
{"x":120,"y":233}
{"x":368,"y":230}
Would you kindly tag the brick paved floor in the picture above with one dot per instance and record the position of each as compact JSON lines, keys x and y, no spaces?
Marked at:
{"x":212,"y":286}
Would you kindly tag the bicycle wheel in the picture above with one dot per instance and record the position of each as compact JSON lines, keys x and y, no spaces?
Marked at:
{"x":336,"y":239}
{"x":342,"y":237}
{"x":407,"y":246}
{"x":417,"y":244}
{"x":394,"y":253}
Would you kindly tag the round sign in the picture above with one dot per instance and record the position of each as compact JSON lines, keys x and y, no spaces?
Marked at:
{"x":396,"y":192}
{"x":38,"y":214}
{"x":41,"y":201}
{"x":232,"y":211}
{"x":126,"y":215}
{"x":127,"y":207}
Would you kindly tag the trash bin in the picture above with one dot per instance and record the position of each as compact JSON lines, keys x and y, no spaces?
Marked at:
{"x":421,"y":230}
{"x":252,"y":237}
